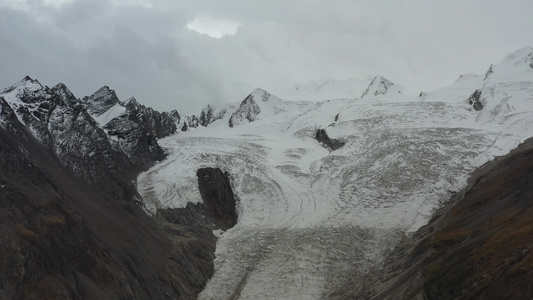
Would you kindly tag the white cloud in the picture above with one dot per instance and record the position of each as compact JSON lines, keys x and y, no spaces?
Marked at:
{"x":214,"y":28}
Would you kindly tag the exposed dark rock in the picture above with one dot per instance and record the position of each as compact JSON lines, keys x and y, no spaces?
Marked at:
{"x":475,"y":101}
{"x":323,"y":138}
{"x":101,"y":101}
{"x":337,"y":117}
{"x":63,"y":126}
{"x":65,"y":95}
{"x":129,"y":133}
{"x":175,"y":116}
{"x":208,"y":115}
{"x":489,"y":72}
{"x":378,"y":86}
{"x":248,"y":110}
{"x":478,"y":246}
{"x":219,"y":201}
{"x":158,"y":124}
{"x":191,"y":121}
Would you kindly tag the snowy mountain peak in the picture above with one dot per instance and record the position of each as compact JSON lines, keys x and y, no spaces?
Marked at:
{"x":248,"y":110}
{"x":131,"y":102}
{"x":27,"y":84}
{"x":380,"y":86}
{"x":524,"y":55}
{"x":517,"y":66}
{"x":260,"y":94}
{"x":101,"y":101}
{"x":65,"y":94}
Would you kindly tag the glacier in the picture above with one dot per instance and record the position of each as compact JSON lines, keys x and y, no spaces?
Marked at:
{"x":312,"y":220}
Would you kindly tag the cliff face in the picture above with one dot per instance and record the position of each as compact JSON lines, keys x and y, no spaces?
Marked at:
{"x":217,"y":195}
{"x":478,"y":246}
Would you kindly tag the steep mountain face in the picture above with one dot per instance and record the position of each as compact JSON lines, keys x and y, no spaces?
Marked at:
{"x":156,"y":123}
{"x":249,"y":109}
{"x":101,"y":101}
{"x":63,"y":239}
{"x":313,"y":221}
{"x":209,"y":115}
{"x":215,"y":188}
{"x":478,"y":246}
{"x":136,"y":130}
{"x":71,"y":222}
{"x":380,"y":86}
{"x":62,"y":125}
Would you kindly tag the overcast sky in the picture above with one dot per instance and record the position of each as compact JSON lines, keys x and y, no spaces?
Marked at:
{"x":184,"y":54}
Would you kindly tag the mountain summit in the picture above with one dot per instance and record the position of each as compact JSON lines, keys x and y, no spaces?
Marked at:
{"x":380,"y":86}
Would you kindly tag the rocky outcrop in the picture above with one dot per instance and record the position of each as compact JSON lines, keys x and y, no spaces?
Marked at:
{"x":158,"y":124}
{"x":322,"y":137}
{"x":218,"y":198}
{"x":175,"y":116}
{"x":478,"y":246}
{"x":475,"y":100}
{"x":489,"y":72}
{"x":192,"y":121}
{"x":63,"y":126}
{"x":208,"y":115}
{"x":130,"y":134}
{"x":380,"y":86}
{"x":247,"y":111}
{"x":101,"y":101}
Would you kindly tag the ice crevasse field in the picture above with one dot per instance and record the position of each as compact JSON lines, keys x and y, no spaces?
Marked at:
{"x":312,"y":219}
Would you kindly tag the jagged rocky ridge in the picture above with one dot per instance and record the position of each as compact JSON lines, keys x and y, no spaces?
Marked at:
{"x":72,"y":226}
{"x":90,"y":146}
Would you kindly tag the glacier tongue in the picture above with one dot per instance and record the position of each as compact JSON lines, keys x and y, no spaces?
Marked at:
{"x":311,"y":219}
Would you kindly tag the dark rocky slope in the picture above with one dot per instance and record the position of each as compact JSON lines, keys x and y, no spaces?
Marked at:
{"x":478,"y":246}
{"x":322,"y":137}
{"x":63,"y":239}
{"x":70,"y":225}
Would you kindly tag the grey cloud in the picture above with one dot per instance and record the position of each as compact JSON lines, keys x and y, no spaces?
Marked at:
{"x":146,"y":52}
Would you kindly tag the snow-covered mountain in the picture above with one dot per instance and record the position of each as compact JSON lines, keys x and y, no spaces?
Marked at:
{"x":327,"y":88}
{"x":312,"y":218}
{"x":96,"y":137}
{"x":380,"y":86}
